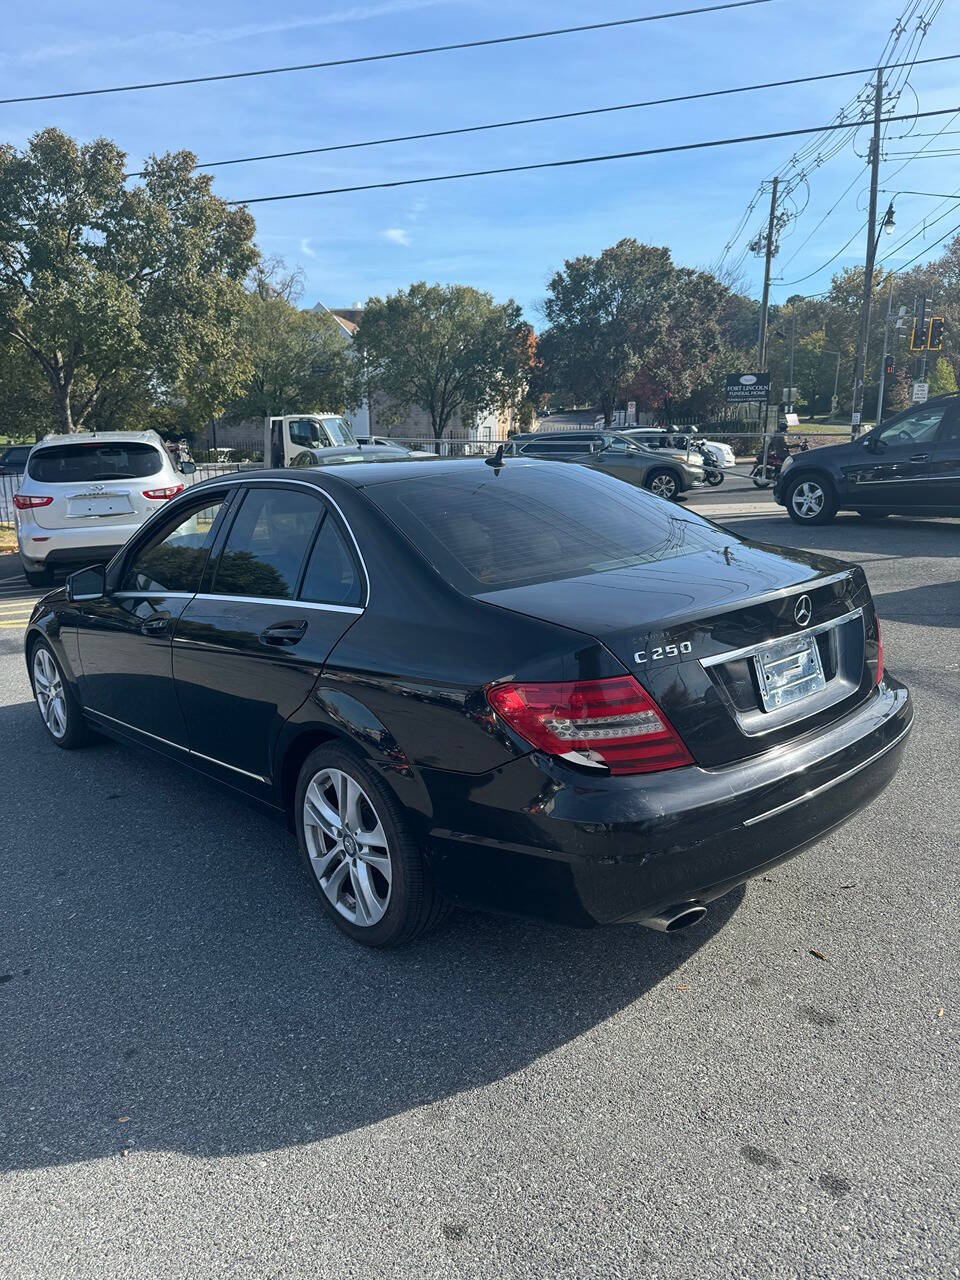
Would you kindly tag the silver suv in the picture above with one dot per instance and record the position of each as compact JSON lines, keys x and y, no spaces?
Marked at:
{"x":82,"y":496}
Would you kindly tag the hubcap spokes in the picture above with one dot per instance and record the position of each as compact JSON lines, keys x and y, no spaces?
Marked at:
{"x":808,"y":499}
{"x":49,"y":691}
{"x":347,"y":846}
{"x":663,"y":487}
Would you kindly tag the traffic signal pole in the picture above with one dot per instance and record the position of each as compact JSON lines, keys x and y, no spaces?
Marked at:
{"x":765,"y":300}
{"x":857,"y":407}
{"x":883,"y":362}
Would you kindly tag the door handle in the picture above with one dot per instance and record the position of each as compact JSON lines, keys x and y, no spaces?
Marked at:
{"x":919,"y":457}
{"x":284,"y":633}
{"x":156,"y":625}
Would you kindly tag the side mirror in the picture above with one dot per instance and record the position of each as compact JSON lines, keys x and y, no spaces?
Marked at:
{"x":188,"y":468}
{"x":87,"y":584}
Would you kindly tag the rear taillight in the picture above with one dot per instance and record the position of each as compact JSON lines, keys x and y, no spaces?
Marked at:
{"x":610,"y":722}
{"x":879,"y":653}
{"x":23,"y":502}
{"x":170,"y":492}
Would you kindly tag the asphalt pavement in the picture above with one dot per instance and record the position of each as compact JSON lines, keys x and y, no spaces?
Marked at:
{"x":199,"y":1077}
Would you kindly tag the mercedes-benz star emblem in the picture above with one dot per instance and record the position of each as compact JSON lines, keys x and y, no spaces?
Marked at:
{"x":803,"y":610}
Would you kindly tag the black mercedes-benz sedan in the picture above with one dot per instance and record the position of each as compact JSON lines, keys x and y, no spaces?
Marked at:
{"x":527,"y":686}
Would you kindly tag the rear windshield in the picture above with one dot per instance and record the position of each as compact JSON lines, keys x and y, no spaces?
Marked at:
{"x":70,"y":463}
{"x":482,"y":530}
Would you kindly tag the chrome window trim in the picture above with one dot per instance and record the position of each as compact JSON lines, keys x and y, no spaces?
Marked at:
{"x":833,"y":782}
{"x":323,"y":495}
{"x":290,"y":602}
{"x":92,"y":711}
{"x":752,"y":650}
{"x":149,"y":595}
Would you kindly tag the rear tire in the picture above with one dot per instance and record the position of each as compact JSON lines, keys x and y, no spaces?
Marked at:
{"x":663,"y":483}
{"x":810,"y":500}
{"x":359,"y":851}
{"x":714,"y":478}
{"x":59,"y":709}
{"x":39,"y":577}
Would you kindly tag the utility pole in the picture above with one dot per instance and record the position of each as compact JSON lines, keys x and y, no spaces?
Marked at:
{"x":872,"y":237}
{"x":883,"y":361}
{"x":793,"y":347}
{"x":765,"y":301}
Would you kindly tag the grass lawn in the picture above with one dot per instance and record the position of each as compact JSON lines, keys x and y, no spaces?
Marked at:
{"x":8,"y":539}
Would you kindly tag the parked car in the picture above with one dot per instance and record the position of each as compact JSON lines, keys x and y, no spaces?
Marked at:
{"x":82,"y":496}
{"x":354,"y":453}
{"x":13,"y":459}
{"x":909,"y":465}
{"x":387,"y":443}
{"x":667,"y":473}
{"x":682,"y":440}
{"x":520,"y":685}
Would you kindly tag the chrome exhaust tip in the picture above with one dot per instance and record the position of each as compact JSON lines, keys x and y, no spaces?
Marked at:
{"x":673,"y":919}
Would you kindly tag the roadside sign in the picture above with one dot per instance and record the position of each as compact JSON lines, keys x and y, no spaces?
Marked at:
{"x":748,"y":388}
{"x":789,"y":395}
{"x":920,"y":392}
{"x":792,"y":419}
{"x":855,"y":418}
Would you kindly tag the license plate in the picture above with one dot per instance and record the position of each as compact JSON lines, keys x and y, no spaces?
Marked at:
{"x":789,"y":671}
{"x":113,"y":504}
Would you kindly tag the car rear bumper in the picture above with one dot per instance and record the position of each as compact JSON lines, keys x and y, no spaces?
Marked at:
{"x":41,"y":548}
{"x":537,"y":839}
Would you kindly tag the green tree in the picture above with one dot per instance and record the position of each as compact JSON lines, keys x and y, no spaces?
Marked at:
{"x":297,"y":360}
{"x":444,"y":348}
{"x":102,"y":283}
{"x":943,"y":380}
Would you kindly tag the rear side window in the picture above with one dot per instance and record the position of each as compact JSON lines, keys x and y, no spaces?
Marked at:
{"x":483,"y":531}
{"x":76,"y":463}
{"x":332,"y":575}
{"x":268,"y":543}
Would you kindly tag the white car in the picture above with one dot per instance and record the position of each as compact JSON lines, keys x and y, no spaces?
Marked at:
{"x":82,"y":496}
{"x":651,"y":437}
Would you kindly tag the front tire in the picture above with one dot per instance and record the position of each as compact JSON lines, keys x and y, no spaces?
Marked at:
{"x":810,"y":500}
{"x":360,"y":854}
{"x":663,"y":483}
{"x":714,"y":478}
{"x":59,"y":709}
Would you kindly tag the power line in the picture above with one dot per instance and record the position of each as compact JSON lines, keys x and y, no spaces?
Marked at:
{"x":785,"y":284}
{"x":562,"y":115}
{"x":927,"y":222}
{"x":385,"y":57}
{"x":928,"y":248}
{"x":561,"y":164}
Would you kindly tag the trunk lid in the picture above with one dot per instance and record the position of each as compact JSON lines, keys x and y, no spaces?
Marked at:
{"x":743,"y":647}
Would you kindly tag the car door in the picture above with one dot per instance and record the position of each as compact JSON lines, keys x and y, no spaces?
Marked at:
{"x":945,"y":484}
{"x":893,"y":468}
{"x":617,"y":458}
{"x":124,"y":639}
{"x":283,"y":586}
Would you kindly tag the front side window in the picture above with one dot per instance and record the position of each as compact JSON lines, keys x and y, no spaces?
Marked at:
{"x":267,"y":544}
{"x":93,"y":460}
{"x":920,"y":427}
{"x":305,"y":432}
{"x":174,"y":558}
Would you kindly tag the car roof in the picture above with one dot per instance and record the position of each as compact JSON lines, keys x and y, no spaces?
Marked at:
{"x":100,"y":437}
{"x":362,"y":477}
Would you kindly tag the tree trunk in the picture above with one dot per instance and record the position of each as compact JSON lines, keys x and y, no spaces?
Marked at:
{"x":64,"y":411}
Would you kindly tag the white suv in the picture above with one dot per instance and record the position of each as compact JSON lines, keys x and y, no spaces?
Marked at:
{"x":82,"y":496}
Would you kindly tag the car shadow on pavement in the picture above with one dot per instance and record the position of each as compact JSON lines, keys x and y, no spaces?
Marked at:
{"x":850,"y":536}
{"x":168,"y":981}
{"x":935,"y":604}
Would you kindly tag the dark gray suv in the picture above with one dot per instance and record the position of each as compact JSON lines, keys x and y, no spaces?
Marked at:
{"x":667,"y":474}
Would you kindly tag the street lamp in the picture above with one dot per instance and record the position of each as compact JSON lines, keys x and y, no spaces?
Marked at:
{"x":836,"y":381}
{"x":888,"y":220}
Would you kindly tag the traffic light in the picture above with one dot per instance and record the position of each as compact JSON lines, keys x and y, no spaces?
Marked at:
{"x":917,"y":333}
{"x":935,"y":334}
{"x":888,"y":367}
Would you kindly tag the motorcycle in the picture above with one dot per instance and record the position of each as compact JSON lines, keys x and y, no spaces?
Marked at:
{"x":712,"y":472}
{"x":765,"y":475}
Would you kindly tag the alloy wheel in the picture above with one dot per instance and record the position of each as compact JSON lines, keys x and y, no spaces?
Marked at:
{"x":663,"y":486}
{"x":347,"y":846}
{"x":49,"y":690}
{"x":808,"y":499}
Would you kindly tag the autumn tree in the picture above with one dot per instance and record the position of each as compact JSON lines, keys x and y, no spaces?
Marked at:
{"x":447,"y":349}
{"x":104,"y":283}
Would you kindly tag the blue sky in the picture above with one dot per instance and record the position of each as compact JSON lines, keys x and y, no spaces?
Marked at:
{"x":504,"y":234}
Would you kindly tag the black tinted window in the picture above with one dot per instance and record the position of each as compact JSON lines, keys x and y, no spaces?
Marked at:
{"x":70,"y":463}
{"x":267,"y":544}
{"x":332,"y":576}
{"x":173,"y":560}
{"x":481,"y":530}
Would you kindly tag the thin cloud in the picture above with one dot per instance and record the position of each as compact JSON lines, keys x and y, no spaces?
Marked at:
{"x":396,"y":235}
{"x":168,"y":40}
{"x":306,"y":250}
